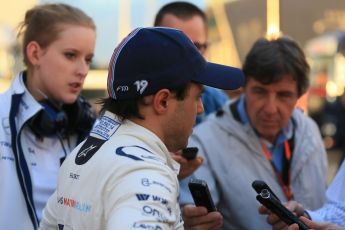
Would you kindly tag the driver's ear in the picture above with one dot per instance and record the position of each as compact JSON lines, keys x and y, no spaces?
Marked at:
{"x":161,"y":100}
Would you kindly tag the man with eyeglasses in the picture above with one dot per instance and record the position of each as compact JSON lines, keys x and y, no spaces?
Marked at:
{"x":193,"y":22}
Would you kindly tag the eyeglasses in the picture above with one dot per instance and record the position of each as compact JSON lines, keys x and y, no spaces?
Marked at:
{"x":202,"y":47}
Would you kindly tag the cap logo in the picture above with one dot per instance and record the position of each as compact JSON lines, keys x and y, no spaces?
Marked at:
{"x":141,"y":85}
{"x":122,"y":88}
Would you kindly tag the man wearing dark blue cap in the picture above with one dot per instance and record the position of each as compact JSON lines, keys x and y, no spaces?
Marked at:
{"x":123,"y":175}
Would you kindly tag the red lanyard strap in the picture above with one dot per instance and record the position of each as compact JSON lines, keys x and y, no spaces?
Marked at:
{"x":285,"y":186}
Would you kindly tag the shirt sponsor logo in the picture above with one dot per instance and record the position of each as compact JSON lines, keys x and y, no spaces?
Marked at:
{"x":145,"y":197}
{"x":147,"y":226}
{"x":5,"y":144}
{"x":80,"y":206}
{"x":89,"y":148}
{"x":7,"y":158}
{"x":138,"y":153}
{"x":149,"y":211}
{"x":147,"y":182}
{"x":119,"y":151}
{"x":85,"y":151}
{"x":105,"y":127}
{"x":74,"y":176}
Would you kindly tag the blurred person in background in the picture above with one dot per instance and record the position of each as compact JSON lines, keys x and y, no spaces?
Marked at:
{"x":123,"y":175}
{"x":42,"y":114}
{"x":261,"y":136}
{"x":332,"y":124}
{"x":193,"y":22}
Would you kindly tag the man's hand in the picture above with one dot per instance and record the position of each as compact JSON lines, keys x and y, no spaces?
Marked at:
{"x":316,"y":225}
{"x":187,"y":166}
{"x":197,"y":218}
{"x":273,"y":219}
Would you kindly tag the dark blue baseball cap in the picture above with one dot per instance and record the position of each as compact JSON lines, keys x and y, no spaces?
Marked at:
{"x":150,"y":59}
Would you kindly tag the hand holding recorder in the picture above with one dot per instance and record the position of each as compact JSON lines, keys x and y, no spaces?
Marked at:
{"x":201,"y":194}
{"x":203,"y":215}
{"x":267,"y":198}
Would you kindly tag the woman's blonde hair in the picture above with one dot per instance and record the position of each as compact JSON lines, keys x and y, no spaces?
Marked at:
{"x":43,"y":23}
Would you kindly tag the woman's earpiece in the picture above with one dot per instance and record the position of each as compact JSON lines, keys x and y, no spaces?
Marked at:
{"x":49,"y":121}
{"x":75,"y":118}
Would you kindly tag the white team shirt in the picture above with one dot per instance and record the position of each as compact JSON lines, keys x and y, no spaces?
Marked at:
{"x":128,"y":182}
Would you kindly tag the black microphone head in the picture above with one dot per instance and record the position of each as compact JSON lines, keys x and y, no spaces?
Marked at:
{"x":259,"y":185}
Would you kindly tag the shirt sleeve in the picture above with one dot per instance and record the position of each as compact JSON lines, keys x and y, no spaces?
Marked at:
{"x":334,"y":209}
{"x":144,"y":198}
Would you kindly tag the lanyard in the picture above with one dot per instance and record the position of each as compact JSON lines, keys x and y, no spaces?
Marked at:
{"x":287,"y":153}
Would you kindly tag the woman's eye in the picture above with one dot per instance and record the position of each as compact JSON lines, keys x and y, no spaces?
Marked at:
{"x":70,"y":55}
{"x":88,"y":61}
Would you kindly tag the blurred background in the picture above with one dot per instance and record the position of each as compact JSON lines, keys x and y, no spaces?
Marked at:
{"x":234,"y":25}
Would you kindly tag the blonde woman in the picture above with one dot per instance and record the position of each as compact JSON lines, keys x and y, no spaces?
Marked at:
{"x":42,"y":115}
